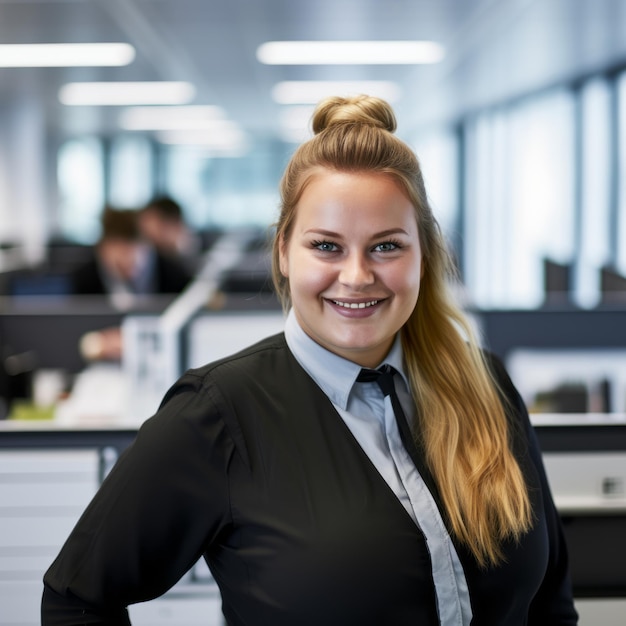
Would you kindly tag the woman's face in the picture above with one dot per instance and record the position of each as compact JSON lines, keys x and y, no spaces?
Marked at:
{"x":354,"y":263}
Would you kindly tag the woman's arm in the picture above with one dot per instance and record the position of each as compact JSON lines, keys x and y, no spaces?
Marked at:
{"x":59,"y":610}
{"x":156,"y":513}
{"x":553,"y":604}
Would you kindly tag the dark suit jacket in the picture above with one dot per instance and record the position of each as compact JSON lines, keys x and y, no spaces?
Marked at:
{"x":248,"y":463}
{"x":169,"y":276}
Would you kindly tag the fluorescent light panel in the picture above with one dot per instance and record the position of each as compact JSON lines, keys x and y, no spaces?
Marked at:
{"x":311,"y":92}
{"x":230,"y":141}
{"x":66,"y":54}
{"x":349,"y":52}
{"x":224,"y":138}
{"x":126,"y":93}
{"x":200,"y":117}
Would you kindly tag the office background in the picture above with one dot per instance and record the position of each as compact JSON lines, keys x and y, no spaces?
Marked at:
{"x":517,"y":111}
{"x":519,"y":125}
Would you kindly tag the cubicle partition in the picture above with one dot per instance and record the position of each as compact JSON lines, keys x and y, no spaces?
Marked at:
{"x":41,"y":333}
{"x":563,"y":328}
{"x":44,"y":333}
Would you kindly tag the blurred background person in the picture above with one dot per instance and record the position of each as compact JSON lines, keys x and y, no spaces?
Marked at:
{"x":124,"y":266}
{"x":124,"y":262}
{"x":162,"y":222}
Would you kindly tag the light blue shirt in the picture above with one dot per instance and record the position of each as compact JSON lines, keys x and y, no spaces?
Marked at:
{"x":369,"y":416}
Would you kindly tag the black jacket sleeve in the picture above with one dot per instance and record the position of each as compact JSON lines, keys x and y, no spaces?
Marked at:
{"x":553,"y":604}
{"x":156,"y":513}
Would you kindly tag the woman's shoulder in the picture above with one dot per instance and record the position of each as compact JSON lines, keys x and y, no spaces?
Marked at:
{"x":259,"y":365}
{"x":209,"y":399}
{"x":255,"y":357}
{"x":513,"y":403}
{"x":499,"y":373}
{"x":230,"y":371}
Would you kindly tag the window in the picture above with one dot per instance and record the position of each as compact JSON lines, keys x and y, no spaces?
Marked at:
{"x":438,"y":156}
{"x":225,"y":192}
{"x":131,"y":172}
{"x":620,"y":260}
{"x":595,"y":245}
{"x":80,"y":174}
{"x":519,"y":199}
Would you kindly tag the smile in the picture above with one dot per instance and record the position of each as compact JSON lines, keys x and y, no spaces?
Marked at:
{"x":356,"y":305}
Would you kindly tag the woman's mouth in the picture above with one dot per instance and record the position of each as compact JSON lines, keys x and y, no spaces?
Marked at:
{"x":355,"y":305}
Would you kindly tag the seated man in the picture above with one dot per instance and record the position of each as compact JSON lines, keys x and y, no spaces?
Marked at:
{"x":162,"y":223}
{"x":125,"y":263}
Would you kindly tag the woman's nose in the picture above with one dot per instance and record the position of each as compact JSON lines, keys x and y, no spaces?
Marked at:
{"x":356,"y":271}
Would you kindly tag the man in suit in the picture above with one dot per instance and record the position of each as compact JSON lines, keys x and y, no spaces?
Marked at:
{"x":162,"y":222}
{"x":125,"y":263}
{"x":124,"y":266}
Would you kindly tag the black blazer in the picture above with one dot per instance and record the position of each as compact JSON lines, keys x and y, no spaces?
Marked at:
{"x":170,"y":276}
{"x":248,"y":463}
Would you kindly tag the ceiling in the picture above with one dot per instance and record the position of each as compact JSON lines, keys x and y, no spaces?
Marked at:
{"x":495,"y":50}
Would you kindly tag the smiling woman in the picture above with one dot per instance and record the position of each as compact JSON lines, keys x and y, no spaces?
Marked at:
{"x":353,"y":262}
{"x":368,"y":466}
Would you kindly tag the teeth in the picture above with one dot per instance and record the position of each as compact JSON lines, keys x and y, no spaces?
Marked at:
{"x":355,"y":305}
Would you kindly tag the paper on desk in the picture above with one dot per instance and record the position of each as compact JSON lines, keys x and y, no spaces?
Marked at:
{"x":99,"y":394}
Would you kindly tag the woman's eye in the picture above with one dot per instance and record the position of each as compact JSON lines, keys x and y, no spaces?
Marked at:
{"x":386,"y":246}
{"x":325,"y":246}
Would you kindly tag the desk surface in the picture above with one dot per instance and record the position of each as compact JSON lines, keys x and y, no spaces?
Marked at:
{"x":50,"y":434}
{"x":556,"y":433}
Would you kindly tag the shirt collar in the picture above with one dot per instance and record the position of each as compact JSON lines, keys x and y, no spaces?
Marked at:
{"x":333,"y":374}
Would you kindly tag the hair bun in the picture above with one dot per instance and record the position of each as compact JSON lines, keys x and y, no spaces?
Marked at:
{"x":362,"y":109}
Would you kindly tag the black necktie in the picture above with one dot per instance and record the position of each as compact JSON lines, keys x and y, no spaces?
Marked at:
{"x":384,"y":377}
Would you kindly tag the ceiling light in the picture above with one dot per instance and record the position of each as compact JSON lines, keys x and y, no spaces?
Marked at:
{"x":125,"y":93}
{"x":311,"y":92}
{"x":65,"y":54}
{"x":225,"y":139}
{"x":349,"y":52}
{"x":173,"y":118}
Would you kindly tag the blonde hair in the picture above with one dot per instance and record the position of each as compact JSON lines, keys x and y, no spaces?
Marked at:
{"x":462,"y":425}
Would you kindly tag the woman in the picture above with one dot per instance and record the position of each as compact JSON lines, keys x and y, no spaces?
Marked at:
{"x":309,"y":501}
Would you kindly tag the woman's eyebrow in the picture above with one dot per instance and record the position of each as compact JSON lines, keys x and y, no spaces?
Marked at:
{"x":330,"y":233}
{"x":390,"y":231}
{"x":321,"y":231}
